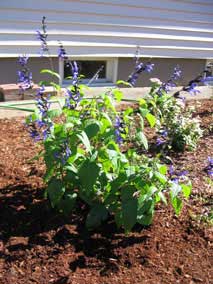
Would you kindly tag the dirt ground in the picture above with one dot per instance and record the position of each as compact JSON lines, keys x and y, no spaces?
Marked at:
{"x":37,"y":245}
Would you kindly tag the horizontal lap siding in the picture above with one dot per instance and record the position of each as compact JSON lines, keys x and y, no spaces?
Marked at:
{"x":165,"y":28}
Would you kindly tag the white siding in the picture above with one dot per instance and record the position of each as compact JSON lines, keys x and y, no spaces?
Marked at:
{"x":163,"y":28}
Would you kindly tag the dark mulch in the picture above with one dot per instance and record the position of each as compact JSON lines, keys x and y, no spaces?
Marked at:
{"x":39,"y":246}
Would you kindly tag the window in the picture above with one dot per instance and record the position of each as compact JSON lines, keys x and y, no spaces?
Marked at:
{"x":208,"y":73}
{"x":209,"y":68}
{"x":95,"y":71}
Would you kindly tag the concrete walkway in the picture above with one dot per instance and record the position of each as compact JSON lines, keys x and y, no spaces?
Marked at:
{"x":129,"y":94}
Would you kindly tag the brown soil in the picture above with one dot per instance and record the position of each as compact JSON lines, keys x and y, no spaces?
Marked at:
{"x":37,"y":245}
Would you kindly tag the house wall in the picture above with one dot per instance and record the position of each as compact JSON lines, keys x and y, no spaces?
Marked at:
{"x":10,"y":66}
{"x":109,"y":28}
{"x":162,"y":70}
{"x":170,"y":32}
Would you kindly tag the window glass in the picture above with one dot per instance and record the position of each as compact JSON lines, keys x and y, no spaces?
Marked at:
{"x":87,"y":68}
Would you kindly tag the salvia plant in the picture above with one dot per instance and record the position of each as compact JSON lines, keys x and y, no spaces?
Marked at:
{"x":175,"y":125}
{"x":87,"y":154}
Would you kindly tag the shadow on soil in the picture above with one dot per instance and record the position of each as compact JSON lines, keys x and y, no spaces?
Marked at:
{"x":27,"y":221}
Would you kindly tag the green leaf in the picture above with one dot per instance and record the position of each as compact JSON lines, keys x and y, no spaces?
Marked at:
{"x":162,"y":169}
{"x":142,"y":102}
{"x":67,"y":203}
{"x":121,"y":82}
{"x":145,"y":211}
{"x":162,"y":178}
{"x":141,"y":122}
{"x":107,"y":118}
{"x":55,"y":190}
{"x":141,"y":138}
{"x":118,"y":218}
{"x":145,"y":220}
{"x":71,"y":168}
{"x":144,"y":204}
{"x":84,"y":139}
{"x":50,"y":72}
{"x":128,"y":111}
{"x":162,"y":197}
{"x":151,"y":119}
{"x":118,"y":95}
{"x":92,"y":129}
{"x":186,"y":190}
{"x":43,"y":83}
{"x":88,"y":174}
{"x":56,"y":86}
{"x":175,"y":189}
{"x":144,"y":111}
{"x":54,"y":113}
{"x":129,"y":207}
{"x":97,"y":214}
{"x":177,"y":204}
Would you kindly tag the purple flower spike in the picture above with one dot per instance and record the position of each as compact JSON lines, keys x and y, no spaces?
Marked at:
{"x":177,"y":176}
{"x":209,"y":168}
{"x":44,"y":124}
{"x":118,"y":128}
{"x":139,"y":68}
{"x":159,"y":141}
{"x":75,"y":73}
{"x":192,"y":89}
{"x":164,"y":133}
{"x":182,"y":174}
{"x":177,"y":73}
{"x":23,"y":60}
{"x":62,"y":52}
{"x":149,"y":67}
{"x":42,"y":36}
{"x":167,"y":86}
{"x":24,"y":75}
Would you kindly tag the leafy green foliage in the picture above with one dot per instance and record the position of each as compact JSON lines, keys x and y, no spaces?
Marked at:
{"x":83,"y":161}
{"x":169,"y":115}
{"x":88,"y":158}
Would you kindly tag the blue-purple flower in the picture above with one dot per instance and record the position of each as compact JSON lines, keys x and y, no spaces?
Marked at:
{"x":176,"y":176}
{"x":33,"y":129}
{"x":167,"y":86}
{"x":62,"y":52}
{"x":73,"y":95}
{"x":192,"y":89}
{"x":43,"y":104}
{"x":74,"y":73}
{"x":118,"y":128}
{"x":64,"y":153}
{"x":42,"y":36}
{"x":24,"y":75}
{"x":209,"y":168}
{"x":139,"y":68}
{"x":162,"y":139}
{"x":177,"y":73}
{"x":23,"y":60}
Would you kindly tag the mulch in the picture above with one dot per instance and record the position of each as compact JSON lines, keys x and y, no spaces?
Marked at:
{"x":38,"y":245}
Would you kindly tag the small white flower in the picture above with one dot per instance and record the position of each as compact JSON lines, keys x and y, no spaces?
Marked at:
{"x":156,"y":81}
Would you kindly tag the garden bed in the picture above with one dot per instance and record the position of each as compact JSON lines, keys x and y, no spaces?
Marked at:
{"x":38,"y":245}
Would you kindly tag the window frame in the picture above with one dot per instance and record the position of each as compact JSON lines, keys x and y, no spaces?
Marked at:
{"x":111,"y":71}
